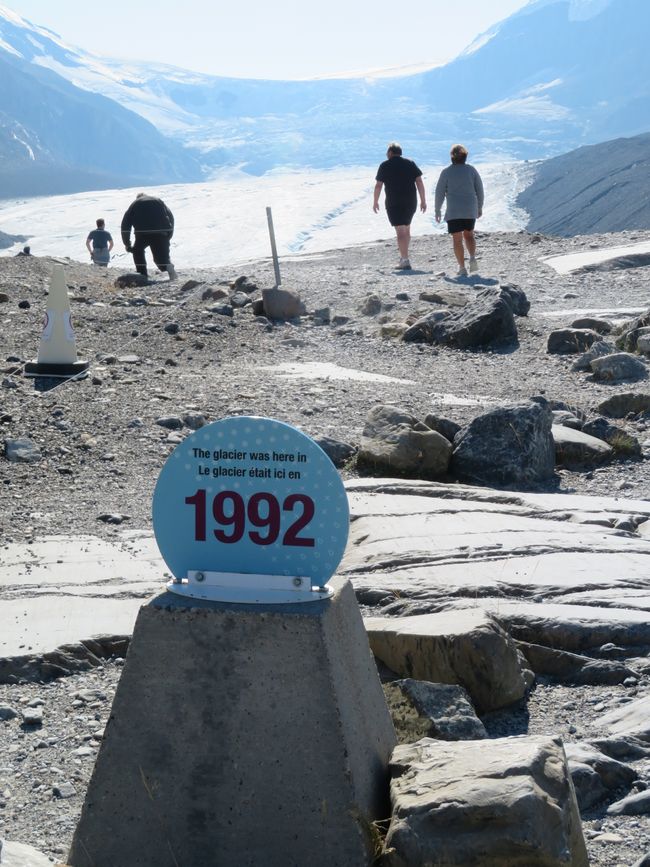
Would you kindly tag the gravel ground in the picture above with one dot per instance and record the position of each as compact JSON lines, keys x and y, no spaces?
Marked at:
{"x":159,"y":351}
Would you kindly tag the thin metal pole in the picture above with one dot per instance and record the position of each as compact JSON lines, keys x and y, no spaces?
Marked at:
{"x":274,"y":251}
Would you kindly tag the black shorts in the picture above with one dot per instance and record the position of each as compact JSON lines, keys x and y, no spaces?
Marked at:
{"x":454,"y":226}
{"x":400,"y":215}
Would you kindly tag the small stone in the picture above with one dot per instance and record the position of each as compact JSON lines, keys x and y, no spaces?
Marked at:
{"x":64,"y":790}
{"x":24,"y":305}
{"x":33,"y":716}
{"x":115,"y":518}
{"x":172,"y":328}
{"x":7,"y":713}
{"x":171,"y":422}
{"x":22,"y":450}
{"x":194,"y":420}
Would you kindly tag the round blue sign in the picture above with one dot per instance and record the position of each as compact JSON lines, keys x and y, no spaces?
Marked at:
{"x":250,"y":496}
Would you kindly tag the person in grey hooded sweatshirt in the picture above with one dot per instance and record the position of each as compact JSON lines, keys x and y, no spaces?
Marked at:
{"x":461,"y":185}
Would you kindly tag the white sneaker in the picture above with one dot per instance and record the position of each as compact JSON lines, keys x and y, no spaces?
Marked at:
{"x":404,"y":265}
{"x":172,"y":272}
{"x":462,"y":272}
{"x":473,"y":265}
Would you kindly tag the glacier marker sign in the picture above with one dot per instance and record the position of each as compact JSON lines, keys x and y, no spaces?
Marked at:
{"x":250,"y":509}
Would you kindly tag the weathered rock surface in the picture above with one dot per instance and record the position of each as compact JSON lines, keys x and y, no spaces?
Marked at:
{"x":431,"y":710}
{"x":571,"y":667}
{"x":338,"y":452}
{"x":596,"y":776}
{"x":619,"y":405}
{"x":565,"y":341}
{"x":507,"y":802}
{"x":632,"y":805}
{"x":548,"y":567}
{"x":396,"y":441}
{"x":20,"y":855}
{"x":602,"y":326}
{"x":596,"y":350}
{"x":620,"y":440}
{"x":575,"y":448}
{"x":486,"y":319}
{"x":508,"y":445}
{"x":630,"y":719}
{"x":619,"y":366}
{"x":466,"y":647}
{"x":282,"y":304}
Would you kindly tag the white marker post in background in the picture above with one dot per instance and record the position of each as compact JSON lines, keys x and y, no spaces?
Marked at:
{"x":274,"y":250}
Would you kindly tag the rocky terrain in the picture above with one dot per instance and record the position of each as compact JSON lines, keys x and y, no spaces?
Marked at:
{"x":168,"y":356}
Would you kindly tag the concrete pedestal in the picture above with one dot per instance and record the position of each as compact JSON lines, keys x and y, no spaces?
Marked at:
{"x":255,"y":736}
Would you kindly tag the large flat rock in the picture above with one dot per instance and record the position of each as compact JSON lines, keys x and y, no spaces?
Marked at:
{"x":465,"y":647}
{"x":552,"y":568}
{"x":60,"y":590}
{"x":506,"y":802}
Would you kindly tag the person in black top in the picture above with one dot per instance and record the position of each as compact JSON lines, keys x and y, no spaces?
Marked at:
{"x":153,"y":226}
{"x":401,"y":178}
{"x":99,"y":244}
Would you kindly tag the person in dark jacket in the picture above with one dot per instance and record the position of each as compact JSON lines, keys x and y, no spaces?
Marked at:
{"x":153,"y":226}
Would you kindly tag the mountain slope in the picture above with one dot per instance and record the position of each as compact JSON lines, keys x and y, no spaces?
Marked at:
{"x":556,"y":75}
{"x":55,"y":137}
{"x":601,"y":188}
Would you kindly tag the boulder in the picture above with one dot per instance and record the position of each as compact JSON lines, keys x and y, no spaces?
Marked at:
{"x":575,"y":448}
{"x":487,"y":319}
{"x":515,"y":298}
{"x":589,"y":322}
{"x":507,"y":802}
{"x":239,"y":300}
{"x":282,"y":304}
{"x":431,"y":710}
{"x":465,"y":647}
{"x":129,"y":281}
{"x":621,"y":442}
{"x":595,"y":775}
{"x":509,"y":445}
{"x":621,"y":405}
{"x":571,"y":667}
{"x":565,"y":341}
{"x":338,"y":452}
{"x":444,"y":426}
{"x":619,"y":366}
{"x":643,"y":343}
{"x":597,"y":350}
{"x":397,"y":442}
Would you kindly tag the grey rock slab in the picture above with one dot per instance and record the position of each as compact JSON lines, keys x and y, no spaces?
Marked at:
{"x":505,"y":802}
{"x":465,"y":647}
{"x":58,"y":590}
{"x":431,"y":710}
{"x":21,"y":855}
{"x":631,"y":719}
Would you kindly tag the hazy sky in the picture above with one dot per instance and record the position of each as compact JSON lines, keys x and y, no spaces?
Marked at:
{"x":271,"y":38}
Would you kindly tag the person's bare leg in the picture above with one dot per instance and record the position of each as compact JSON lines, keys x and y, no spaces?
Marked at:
{"x":459,"y":250}
{"x":470,"y":243}
{"x":403,"y":240}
